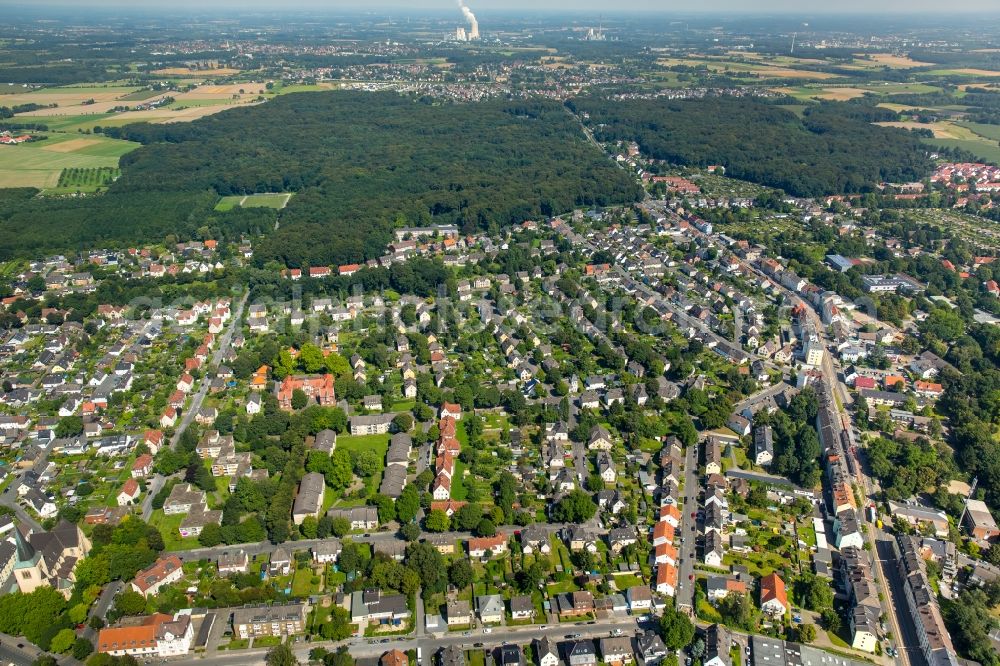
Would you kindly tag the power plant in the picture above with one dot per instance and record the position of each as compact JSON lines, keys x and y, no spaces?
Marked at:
{"x":472,"y":34}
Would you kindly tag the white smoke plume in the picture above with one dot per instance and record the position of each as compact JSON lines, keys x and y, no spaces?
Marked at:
{"x":471,"y":18}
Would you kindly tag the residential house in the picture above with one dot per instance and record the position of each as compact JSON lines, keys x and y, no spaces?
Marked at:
{"x":763,"y":444}
{"x":713,"y":551}
{"x":773,"y":599}
{"x":233,"y":562}
{"x":718,"y":640}
{"x":309,"y":501}
{"x":617,"y":650}
{"x":574,"y":604}
{"x":640,"y":598}
{"x":458,"y":612}
{"x":484,"y":547}
{"x":545,"y":652}
{"x":490,"y":608}
{"x":164,"y":571}
{"x":651,"y":648}
{"x":521,"y":607}
{"x":158,"y":636}
{"x":374,"y":606}
{"x":581,"y":653}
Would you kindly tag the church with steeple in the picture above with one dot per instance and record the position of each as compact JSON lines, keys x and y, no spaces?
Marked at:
{"x":48,"y":558}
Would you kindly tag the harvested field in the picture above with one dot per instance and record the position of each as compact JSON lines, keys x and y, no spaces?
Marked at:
{"x":894,"y":61}
{"x":72,"y":145}
{"x":942,"y":130}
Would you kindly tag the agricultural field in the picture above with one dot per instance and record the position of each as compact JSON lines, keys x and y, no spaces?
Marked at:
{"x":966,"y":71}
{"x":82,"y":108}
{"x":844,"y":93}
{"x":140,"y":95}
{"x":980,"y":140}
{"x":759,"y":70}
{"x":277,"y":201}
{"x":987,"y":131}
{"x":71,"y":100}
{"x":942,"y":129}
{"x":889,"y":60}
{"x":40,"y":164}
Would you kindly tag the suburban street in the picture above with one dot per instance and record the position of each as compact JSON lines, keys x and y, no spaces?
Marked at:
{"x":158,"y":480}
{"x":10,"y":653}
{"x":687,"y":550}
{"x":10,"y":499}
{"x":361,"y":648}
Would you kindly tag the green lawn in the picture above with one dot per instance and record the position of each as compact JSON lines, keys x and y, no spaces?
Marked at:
{"x":377,"y":443}
{"x":458,"y":490}
{"x":168,"y":526}
{"x":626,"y":581}
{"x":267,"y":641}
{"x":563,"y":587}
{"x":302,"y":585}
{"x":707,"y":612}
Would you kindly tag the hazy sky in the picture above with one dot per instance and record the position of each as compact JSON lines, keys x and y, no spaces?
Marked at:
{"x":610,"y":6}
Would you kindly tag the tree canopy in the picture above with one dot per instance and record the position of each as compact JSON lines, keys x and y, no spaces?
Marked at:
{"x":833,"y":148}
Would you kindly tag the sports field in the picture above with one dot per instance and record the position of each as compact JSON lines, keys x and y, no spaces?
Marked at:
{"x":40,"y":164}
{"x":278,"y":201}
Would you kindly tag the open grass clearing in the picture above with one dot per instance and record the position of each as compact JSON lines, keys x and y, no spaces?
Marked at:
{"x":277,"y":201}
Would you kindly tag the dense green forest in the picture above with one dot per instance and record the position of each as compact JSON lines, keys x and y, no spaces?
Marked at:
{"x":832,"y":149}
{"x":361,"y":164}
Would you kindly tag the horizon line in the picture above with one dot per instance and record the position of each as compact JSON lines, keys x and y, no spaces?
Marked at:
{"x":320,"y":7}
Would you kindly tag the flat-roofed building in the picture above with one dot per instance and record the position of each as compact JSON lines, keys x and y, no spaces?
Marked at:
{"x":283,"y":620}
